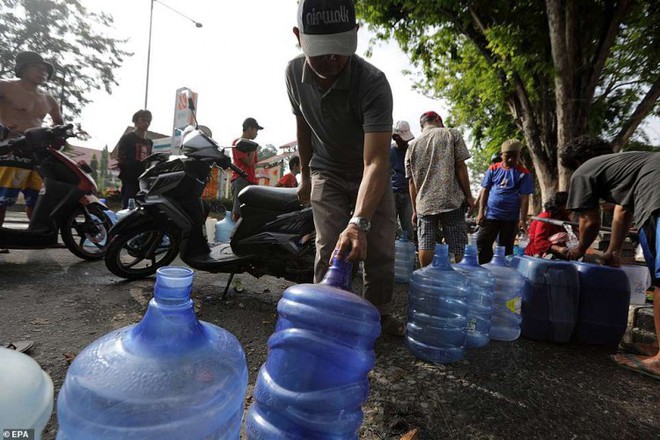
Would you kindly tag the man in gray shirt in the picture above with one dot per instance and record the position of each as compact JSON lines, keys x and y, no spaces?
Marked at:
{"x":630,"y":181}
{"x":343,"y":108}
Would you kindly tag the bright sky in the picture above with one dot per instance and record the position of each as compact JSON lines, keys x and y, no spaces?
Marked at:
{"x":235,"y":62}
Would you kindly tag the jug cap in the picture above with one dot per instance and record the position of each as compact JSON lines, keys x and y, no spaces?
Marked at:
{"x":26,"y":400}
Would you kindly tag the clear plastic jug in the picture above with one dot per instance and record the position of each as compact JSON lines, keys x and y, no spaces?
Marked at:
{"x":314,"y":381}
{"x":26,"y":393}
{"x":404,"y":258}
{"x":168,"y":377}
{"x":224,"y":228}
{"x":480,"y":296}
{"x":437,"y":310}
{"x":507,"y":298}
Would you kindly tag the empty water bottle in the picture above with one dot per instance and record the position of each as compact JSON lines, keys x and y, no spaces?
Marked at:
{"x":168,"y":377}
{"x":124,"y":212}
{"x":404,"y":258}
{"x":224,"y":228}
{"x":437,"y":310}
{"x":509,"y":284}
{"x":26,"y":394}
{"x":314,"y":380}
{"x":480,"y":296}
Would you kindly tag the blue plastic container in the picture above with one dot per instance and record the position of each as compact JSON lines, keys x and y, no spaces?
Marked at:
{"x":314,"y":380}
{"x":480,"y":297}
{"x":509,"y":284}
{"x":550,"y":298}
{"x":604,"y":301}
{"x":404,"y":258}
{"x":168,"y":377}
{"x":122,"y":213}
{"x":437,"y":310}
{"x":224,"y":228}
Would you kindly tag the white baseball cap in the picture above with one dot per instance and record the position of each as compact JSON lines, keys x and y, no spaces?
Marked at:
{"x":327,"y":27}
{"x":402,"y":128}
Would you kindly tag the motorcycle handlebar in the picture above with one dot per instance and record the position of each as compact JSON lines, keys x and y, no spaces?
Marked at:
{"x":55,"y":136}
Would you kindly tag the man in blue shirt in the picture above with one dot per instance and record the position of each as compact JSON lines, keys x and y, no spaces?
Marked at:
{"x":506,"y":189}
{"x":401,"y":135}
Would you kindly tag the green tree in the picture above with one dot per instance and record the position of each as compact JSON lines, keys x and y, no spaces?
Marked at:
{"x":103,"y":168}
{"x":74,"y":39}
{"x":94,"y":165}
{"x":267,"y":151}
{"x":545,"y":70}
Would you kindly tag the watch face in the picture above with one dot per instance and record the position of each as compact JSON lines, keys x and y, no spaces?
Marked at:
{"x":362,"y":223}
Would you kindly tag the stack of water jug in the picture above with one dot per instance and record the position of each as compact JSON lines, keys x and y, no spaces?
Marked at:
{"x":454,"y":307}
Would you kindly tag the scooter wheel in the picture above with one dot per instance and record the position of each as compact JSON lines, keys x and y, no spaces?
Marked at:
{"x":85,"y":238}
{"x":140,"y":252}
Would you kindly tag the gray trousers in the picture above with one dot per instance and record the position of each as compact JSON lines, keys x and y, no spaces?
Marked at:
{"x":236,"y":187}
{"x":333,"y":201}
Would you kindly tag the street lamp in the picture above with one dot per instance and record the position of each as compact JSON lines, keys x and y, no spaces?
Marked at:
{"x":151,"y":19}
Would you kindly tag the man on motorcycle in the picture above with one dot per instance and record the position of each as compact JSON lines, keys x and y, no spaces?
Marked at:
{"x":24,"y":104}
{"x":343,"y":108}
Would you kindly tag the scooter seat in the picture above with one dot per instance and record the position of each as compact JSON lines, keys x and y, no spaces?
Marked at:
{"x":275,"y":199}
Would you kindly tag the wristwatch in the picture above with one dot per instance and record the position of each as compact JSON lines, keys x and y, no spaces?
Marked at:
{"x":362,"y":223}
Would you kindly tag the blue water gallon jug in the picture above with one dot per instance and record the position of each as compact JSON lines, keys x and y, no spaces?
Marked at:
{"x":437,"y":310}
{"x":314,"y":380}
{"x":404,"y":258}
{"x":480,"y":296}
{"x":26,"y":394}
{"x":122,"y":213}
{"x":168,"y":377}
{"x":550,"y":298}
{"x":223,"y":229}
{"x":505,"y":323}
{"x":604,"y":301}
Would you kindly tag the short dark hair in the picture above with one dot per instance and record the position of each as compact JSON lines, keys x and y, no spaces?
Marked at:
{"x":295,"y":160}
{"x":140,"y":113}
{"x":557,"y":201}
{"x":582,"y":148}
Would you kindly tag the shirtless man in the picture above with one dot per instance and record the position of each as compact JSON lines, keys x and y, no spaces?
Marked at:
{"x":24,"y":104}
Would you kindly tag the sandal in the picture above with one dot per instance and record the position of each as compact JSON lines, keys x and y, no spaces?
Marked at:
{"x":640,"y":348}
{"x":391,"y":326}
{"x":20,"y":346}
{"x":633,"y":363}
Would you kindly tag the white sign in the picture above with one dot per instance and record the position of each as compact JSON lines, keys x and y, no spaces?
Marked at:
{"x":182,"y":114}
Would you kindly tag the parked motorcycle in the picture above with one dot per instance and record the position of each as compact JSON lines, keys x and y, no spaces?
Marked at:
{"x":275,"y":235}
{"x":67,"y":203}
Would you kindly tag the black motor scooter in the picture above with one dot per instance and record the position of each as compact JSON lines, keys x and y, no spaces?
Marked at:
{"x":67,"y":202}
{"x":275,"y":235}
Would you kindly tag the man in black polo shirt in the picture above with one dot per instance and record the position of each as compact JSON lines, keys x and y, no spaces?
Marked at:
{"x":630,"y":181}
{"x":343,"y":108}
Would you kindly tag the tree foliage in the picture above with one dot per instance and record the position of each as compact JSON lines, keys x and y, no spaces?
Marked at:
{"x":74,"y":39}
{"x":545,"y":70}
{"x":266,"y":152}
{"x":94,"y":165}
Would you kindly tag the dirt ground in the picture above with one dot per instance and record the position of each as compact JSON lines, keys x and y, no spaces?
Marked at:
{"x":523,"y":389}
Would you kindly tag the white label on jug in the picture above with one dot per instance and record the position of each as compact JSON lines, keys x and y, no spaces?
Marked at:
{"x":472,"y":325}
{"x":514,"y":305}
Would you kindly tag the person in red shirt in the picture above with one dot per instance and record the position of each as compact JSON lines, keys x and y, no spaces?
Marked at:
{"x":245,"y":160}
{"x":540,"y":233}
{"x":289,"y":179}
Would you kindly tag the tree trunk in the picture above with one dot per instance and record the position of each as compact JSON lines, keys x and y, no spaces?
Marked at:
{"x":558,"y":15}
{"x":645,"y":107}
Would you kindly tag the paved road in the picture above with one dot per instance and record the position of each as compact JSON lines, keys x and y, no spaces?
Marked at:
{"x":524,"y":389}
